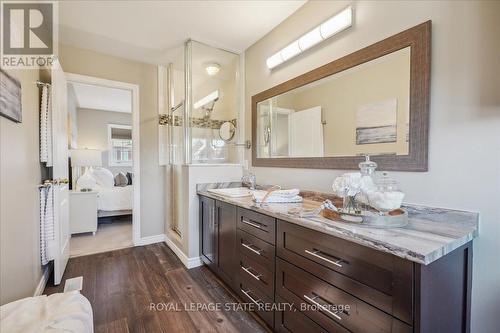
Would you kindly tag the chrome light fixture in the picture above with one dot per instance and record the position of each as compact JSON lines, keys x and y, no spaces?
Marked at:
{"x":325,"y":30}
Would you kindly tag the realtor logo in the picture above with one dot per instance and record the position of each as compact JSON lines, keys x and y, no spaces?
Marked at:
{"x":29,"y":32}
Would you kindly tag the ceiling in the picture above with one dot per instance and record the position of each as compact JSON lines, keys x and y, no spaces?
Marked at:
{"x":102,"y":98}
{"x":154,"y":31}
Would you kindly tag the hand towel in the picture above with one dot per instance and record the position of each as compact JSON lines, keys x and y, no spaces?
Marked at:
{"x":46,"y":222}
{"x":286,"y":193}
{"x":284,"y":197}
{"x":46,"y":127}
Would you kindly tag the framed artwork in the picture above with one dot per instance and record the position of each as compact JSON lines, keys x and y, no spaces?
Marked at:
{"x":10,"y":97}
{"x":376,"y":122}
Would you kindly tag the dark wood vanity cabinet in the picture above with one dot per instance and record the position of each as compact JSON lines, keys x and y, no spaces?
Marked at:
{"x":380,"y":279}
{"x":218,"y":238}
{"x":335,"y":285}
{"x":256,"y":235}
{"x":225,"y":215}
{"x":208,"y":233}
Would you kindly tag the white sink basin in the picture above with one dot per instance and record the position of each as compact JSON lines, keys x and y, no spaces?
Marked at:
{"x":234,"y":192}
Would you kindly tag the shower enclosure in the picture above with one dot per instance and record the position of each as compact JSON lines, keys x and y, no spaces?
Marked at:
{"x":203,"y":86}
{"x":203,"y":90}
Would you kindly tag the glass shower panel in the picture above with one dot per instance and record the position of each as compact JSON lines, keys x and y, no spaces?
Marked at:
{"x":214,"y":82}
{"x":175,"y":90}
{"x":177,"y":105}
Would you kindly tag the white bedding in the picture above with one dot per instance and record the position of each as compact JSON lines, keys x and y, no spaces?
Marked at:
{"x":66,"y":312}
{"x":114,"y":198}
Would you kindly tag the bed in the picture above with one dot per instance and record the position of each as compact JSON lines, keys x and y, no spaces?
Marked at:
{"x":63,"y":312}
{"x":114,"y":201}
{"x":111,"y":200}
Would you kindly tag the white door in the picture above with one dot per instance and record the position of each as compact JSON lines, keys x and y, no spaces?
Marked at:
{"x":306,"y":133}
{"x":60,"y":170}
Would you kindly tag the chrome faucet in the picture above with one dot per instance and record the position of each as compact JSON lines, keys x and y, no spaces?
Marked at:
{"x":249,"y":180}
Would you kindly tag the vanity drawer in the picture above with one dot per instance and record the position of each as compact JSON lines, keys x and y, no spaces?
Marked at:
{"x":381,"y":279}
{"x":256,"y":274}
{"x":256,"y":249}
{"x":291,"y":320}
{"x":259,"y":225}
{"x":325,"y":303}
{"x":250,"y":294}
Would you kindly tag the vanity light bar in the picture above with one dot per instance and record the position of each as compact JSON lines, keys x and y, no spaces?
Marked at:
{"x":327,"y":29}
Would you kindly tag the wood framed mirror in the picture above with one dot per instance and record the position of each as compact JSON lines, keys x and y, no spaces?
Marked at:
{"x":374,"y":102}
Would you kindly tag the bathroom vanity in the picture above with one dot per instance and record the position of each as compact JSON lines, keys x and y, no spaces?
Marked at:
{"x":335,"y":276}
{"x":340,"y":277}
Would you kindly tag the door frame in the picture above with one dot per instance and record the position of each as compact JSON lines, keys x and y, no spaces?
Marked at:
{"x":134,"y":89}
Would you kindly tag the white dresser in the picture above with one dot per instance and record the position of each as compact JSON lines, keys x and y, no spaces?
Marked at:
{"x":82,"y":212}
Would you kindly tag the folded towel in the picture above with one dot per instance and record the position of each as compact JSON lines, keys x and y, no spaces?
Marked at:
{"x":285,"y":196}
{"x":283,"y":193}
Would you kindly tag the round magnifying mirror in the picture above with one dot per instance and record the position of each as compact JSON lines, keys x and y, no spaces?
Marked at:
{"x":227,"y":130}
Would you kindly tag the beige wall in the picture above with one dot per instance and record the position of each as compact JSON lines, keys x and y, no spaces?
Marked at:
{"x":464,"y":148}
{"x":85,"y":62}
{"x":93,"y":132}
{"x":341,"y":97}
{"x":20,"y":268}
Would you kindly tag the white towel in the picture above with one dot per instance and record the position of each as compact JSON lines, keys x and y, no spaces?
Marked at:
{"x":46,"y":222}
{"x":46,"y":126}
{"x":281,"y":196}
{"x":286,"y":193}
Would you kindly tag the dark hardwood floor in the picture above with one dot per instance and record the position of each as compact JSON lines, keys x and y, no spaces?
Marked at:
{"x":122,"y":286}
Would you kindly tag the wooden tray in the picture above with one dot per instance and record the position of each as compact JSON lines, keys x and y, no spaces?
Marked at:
{"x":394,"y":219}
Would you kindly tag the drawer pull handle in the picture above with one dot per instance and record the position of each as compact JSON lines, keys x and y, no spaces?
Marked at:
{"x":247,"y":294}
{"x":256,"y":277}
{"x":251,"y":224}
{"x":251,"y":249}
{"x":322,"y":307}
{"x":315,"y":254}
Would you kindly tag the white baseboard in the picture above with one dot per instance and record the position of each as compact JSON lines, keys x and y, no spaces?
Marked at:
{"x":43,"y":281}
{"x":188,"y":262}
{"x":150,"y":240}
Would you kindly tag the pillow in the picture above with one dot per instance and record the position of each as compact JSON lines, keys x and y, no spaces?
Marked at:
{"x":121,"y":179}
{"x":103,"y":177}
{"x":129,"y":177}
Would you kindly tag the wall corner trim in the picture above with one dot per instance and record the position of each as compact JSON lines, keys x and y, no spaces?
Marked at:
{"x":150,"y":240}
{"x":43,"y":281}
{"x":188,"y":262}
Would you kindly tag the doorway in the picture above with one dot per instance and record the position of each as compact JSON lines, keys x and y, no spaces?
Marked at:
{"x":103,"y":138}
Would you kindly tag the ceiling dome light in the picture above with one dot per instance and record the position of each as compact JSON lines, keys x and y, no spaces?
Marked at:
{"x":212,"y":69}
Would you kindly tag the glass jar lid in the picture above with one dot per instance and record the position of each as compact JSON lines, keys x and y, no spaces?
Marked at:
{"x":367,"y":167}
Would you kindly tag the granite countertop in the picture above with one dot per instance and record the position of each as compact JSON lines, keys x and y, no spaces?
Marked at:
{"x":430,"y":234}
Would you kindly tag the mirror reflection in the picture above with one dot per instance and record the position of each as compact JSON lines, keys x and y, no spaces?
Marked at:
{"x":362,"y":110}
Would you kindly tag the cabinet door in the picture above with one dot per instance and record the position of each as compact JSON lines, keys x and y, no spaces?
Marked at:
{"x":226,"y":219}
{"x":208,"y":231}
